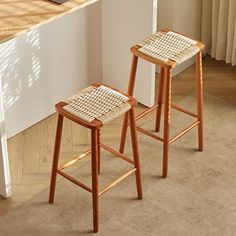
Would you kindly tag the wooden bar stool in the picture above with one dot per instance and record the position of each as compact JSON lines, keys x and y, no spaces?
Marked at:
{"x":92,"y":108}
{"x":167,"y":49}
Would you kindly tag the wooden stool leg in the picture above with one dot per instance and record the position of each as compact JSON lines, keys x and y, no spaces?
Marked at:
{"x":56,"y":158}
{"x":199,"y":99}
{"x":99,"y":151}
{"x":135,"y":153}
{"x":160,"y":99}
{"x":166,"y":123}
{"x":95,"y":147}
{"x":124,"y":133}
{"x":130,"y":92}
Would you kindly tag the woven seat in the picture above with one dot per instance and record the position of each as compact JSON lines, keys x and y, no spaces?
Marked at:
{"x":167,"y":49}
{"x":93,"y":107}
{"x":101,"y":103}
{"x":166,"y":46}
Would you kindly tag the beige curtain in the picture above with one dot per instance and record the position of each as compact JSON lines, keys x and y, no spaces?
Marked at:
{"x":219,"y":29}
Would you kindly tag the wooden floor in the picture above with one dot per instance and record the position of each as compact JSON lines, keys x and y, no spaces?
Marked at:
{"x":31,"y":151}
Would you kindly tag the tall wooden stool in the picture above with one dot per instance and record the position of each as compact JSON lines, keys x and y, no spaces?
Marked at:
{"x":167,"y":49}
{"x":92,"y":108}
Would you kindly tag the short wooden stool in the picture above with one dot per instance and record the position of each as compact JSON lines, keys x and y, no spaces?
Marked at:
{"x":92,"y":108}
{"x":167,"y":49}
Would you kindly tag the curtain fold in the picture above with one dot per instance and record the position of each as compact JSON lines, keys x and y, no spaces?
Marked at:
{"x":219,"y":29}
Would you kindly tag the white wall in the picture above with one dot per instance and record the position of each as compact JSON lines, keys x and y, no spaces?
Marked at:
{"x":125,"y":23}
{"x":180,"y":15}
{"x":183,"y":16}
{"x":49,"y":64}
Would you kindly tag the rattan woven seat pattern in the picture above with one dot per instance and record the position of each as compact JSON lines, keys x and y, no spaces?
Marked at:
{"x":100,"y":103}
{"x":166,"y":46}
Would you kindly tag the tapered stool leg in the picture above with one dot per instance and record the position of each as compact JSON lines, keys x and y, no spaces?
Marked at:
{"x":130,"y":92}
{"x":124,"y":133}
{"x":160,"y":99}
{"x":199,"y":99}
{"x":135,"y":153}
{"x":167,"y":124}
{"x":99,"y":151}
{"x":55,"y":158}
{"x":95,"y":147}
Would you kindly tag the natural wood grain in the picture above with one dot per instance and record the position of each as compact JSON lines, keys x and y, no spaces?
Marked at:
{"x":18,"y":17}
{"x":134,"y":141}
{"x":131,"y":85}
{"x":199,"y":83}
{"x":166,"y":136}
{"x":80,"y":136}
{"x":16,"y":155}
{"x":160,"y":99}
{"x":48,"y":130}
{"x":95,"y":184}
{"x":66,"y":142}
{"x":37,"y":177}
{"x":32,"y":155}
{"x":56,"y":154}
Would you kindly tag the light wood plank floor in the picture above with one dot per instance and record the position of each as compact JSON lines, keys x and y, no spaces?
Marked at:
{"x":31,"y":151}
